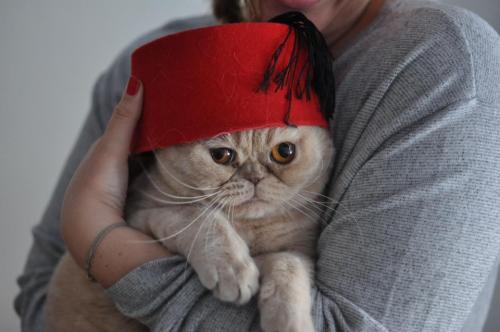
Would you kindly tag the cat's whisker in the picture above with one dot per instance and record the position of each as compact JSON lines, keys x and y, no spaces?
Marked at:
{"x":165,"y":169}
{"x":210,"y":205}
{"x":308,"y":217}
{"x":233,"y":205}
{"x":319,"y":173}
{"x":285,"y":209}
{"x":210,"y":214}
{"x":287,"y":212}
{"x":211,"y":228}
{"x":161,"y":191}
{"x":231,"y":212}
{"x":202,"y":225}
{"x":159,"y":200}
{"x":321,"y":195}
{"x":318,"y":214}
{"x":226,"y":208}
{"x":326,"y":199}
{"x":221,"y":203}
{"x":317,"y":205}
{"x":325,"y":205}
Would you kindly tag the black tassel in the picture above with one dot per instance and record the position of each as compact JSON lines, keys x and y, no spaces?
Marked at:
{"x":316,"y":72}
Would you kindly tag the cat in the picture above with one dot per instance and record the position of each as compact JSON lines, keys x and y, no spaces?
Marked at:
{"x":240,"y":207}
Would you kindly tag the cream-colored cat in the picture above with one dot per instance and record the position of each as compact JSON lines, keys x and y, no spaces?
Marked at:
{"x":238,"y":206}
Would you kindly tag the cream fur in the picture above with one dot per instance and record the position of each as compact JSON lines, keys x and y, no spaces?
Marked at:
{"x":230,"y":230}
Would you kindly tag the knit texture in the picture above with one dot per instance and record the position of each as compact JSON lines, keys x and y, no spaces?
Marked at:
{"x":414,"y":241}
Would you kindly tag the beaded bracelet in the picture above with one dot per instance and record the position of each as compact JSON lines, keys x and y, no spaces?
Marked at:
{"x":95,"y":244}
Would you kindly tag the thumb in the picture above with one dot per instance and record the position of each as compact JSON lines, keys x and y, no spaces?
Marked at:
{"x":121,"y":126}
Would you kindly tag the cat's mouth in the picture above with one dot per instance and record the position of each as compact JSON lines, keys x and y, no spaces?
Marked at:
{"x":256,"y":199}
{"x":253,"y":200}
{"x":247,"y":200}
{"x":252,"y":208}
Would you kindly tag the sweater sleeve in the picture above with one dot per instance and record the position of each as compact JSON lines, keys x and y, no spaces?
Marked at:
{"x":414,"y":234}
{"x":414,"y":238}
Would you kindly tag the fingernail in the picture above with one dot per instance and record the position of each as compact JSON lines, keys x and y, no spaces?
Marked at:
{"x":132,"y":86}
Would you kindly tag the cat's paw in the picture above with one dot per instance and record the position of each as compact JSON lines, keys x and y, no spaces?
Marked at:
{"x":281,"y":311}
{"x":231,"y":274}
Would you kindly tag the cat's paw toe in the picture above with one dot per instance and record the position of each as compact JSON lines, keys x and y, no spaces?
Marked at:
{"x":232,"y":279}
{"x":237,"y":281}
{"x":281,"y":314}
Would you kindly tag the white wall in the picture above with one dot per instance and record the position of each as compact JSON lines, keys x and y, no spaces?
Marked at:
{"x":50,"y":54}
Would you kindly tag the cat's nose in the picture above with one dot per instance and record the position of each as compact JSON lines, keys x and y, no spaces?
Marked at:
{"x":255,"y":178}
{"x":252,"y":171}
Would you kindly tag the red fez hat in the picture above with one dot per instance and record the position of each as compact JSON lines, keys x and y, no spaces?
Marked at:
{"x":209,"y":81}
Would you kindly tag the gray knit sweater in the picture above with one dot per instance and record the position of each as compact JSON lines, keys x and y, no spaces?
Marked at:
{"x":414,"y":243}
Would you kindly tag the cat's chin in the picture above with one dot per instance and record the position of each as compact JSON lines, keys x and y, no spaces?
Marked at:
{"x":254,"y":208}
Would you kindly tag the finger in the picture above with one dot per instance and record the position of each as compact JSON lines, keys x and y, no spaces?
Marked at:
{"x":121,"y":126}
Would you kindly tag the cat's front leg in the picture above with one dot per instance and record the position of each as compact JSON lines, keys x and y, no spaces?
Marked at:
{"x":213,"y":248}
{"x":285,"y":292}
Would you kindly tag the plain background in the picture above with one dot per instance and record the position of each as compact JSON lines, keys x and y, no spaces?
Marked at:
{"x":51,"y":52}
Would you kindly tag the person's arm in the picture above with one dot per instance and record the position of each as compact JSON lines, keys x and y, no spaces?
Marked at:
{"x":95,"y":198}
{"x":413,"y":249}
{"x":166,"y":294}
{"x":424,"y":232}
{"x":416,"y":233}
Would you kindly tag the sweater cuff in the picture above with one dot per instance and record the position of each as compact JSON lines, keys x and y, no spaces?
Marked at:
{"x":158,"y":293}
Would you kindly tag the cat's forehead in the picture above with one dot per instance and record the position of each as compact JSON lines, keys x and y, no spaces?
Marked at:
{"x":256,"y":137}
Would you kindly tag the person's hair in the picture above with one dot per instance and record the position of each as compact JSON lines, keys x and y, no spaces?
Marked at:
{"x":227,"y":11}
{"x":231,"y":11}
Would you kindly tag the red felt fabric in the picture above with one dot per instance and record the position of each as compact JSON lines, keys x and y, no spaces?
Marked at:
{"x":204,"y":82}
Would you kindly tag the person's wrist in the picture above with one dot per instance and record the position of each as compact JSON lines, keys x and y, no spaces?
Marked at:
{"x":121,"y":251}
{"x":80,"y":229}
{"x":92,"y":251}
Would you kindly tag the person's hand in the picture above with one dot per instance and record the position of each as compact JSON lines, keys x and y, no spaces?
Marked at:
{"x":96,"y":196}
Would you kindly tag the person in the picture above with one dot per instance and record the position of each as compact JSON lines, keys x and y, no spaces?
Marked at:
{"x":414,"y":242}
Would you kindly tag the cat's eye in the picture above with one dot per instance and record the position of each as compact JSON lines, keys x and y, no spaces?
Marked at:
{"x":283,"y":153}
{"x":223,"y":156}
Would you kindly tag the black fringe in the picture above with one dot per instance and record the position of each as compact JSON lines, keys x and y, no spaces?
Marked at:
{"x":316,"y":73}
